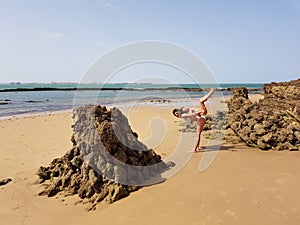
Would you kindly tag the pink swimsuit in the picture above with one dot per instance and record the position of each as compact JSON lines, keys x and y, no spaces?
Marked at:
{"x":199,"y":116}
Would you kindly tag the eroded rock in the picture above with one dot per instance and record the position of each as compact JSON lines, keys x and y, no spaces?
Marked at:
{"x":271,"y":123}
{"x":106,"y":162}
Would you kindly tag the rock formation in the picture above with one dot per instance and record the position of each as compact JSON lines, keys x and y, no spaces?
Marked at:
{"x":5,"y":181}
{"x":271,"y":123}
{"x":107,"y":160}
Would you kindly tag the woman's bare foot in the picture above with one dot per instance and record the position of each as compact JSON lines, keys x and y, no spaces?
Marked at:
{"x":200,"y":150}
{"x":192,"y":151}
{"x":196,"y":150}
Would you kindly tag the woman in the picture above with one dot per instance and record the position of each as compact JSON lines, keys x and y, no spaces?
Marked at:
{"x":195,"y":114}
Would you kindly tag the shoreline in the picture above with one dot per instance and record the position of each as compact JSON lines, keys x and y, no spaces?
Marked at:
{"x":34,"y":114}
{"x":151,"y":102}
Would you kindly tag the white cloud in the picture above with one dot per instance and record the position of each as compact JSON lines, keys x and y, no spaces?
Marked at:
{"x":110,"y":5}
{"x":49,"y":35}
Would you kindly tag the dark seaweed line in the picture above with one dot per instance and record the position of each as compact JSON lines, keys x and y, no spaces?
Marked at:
{"x":119,"y":89}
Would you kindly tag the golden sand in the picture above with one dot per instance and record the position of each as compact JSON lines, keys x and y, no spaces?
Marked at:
{"x":241,"y":186}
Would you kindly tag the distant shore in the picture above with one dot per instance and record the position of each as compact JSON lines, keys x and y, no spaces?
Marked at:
{"x":119,"y":89}
{"x":123,"y":86}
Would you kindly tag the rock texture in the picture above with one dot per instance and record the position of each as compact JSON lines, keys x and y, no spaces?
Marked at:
{"x":107,"y":160}
{"x":271,"y":123}
{"x":5,"y":181}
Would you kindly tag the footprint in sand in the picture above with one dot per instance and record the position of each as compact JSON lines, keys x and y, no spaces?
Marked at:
{"x":231,"y":213}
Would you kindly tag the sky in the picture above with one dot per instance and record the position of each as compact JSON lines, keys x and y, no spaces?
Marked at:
{"x":241,"y":41}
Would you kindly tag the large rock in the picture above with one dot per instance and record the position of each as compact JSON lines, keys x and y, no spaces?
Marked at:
{"x":271,"y":123}
{"x":107,"y":160}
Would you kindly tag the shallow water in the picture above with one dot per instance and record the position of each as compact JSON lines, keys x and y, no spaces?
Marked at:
{"x":26,"y":102}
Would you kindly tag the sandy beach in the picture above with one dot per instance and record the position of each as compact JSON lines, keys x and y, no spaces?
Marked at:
{"x":243,"y":185}
{"x":125,"y":112}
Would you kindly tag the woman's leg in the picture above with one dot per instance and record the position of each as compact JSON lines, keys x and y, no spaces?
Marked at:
{"x":205,"y":97}
{"x":200,"y":125}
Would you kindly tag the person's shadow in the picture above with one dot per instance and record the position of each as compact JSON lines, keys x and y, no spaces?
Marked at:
{"x":217,"y":148}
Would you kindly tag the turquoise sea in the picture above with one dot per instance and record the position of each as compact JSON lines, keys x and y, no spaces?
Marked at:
{"x":20,"y":99}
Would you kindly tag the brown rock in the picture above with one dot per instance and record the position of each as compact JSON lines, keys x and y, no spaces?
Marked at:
{"x":5,"y":181}
{"x":273,"y":122}
{"x":119,"y":192}
{"x":100,"y":138}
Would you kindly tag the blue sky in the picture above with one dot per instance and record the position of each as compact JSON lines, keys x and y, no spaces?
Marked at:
{"x":240,"y":41}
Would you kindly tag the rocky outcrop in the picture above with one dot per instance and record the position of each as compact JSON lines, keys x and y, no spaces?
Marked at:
{"x":5,"y":181}
{"x":107,"y":160}
{"x":271,"y":123}
{"x":5,"y":102}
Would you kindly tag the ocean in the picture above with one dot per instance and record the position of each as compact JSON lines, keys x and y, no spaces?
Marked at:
{"x":21,"y":99}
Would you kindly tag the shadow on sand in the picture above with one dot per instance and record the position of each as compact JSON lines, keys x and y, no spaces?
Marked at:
{"x":217,"y":148}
